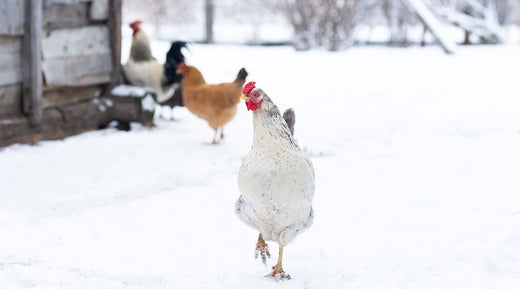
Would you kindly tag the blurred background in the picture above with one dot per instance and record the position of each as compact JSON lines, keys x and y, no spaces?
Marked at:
{"x":328,"y":24}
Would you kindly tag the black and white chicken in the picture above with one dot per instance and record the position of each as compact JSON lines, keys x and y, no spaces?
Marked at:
{"x":276,"y":179}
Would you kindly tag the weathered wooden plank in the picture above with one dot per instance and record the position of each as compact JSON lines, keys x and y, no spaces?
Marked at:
{"x":79,"y":70}
{"x":10,"y":44}
{"x":11,"y":17}
{"x":99,"y":10}
{"x":114,"y":24}
{"x":51,"y":2}
{"x":67,"y":95}
{"x":79,"y":56}
{"x":31,"y":61}
{"x":84,"y":41}
{"x":10,"y":60}
{"x":10,"y":68}
{"x":62,"y":15}
{"x":10,"y":100}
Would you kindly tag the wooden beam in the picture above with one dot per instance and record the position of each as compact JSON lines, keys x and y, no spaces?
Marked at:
{"x":430,"y":21}
{"x":114,"y":26}
{"x":124,"y":105}
{"x":209,"y":10}
{"x":57,"y":123}
{"x":32,"y":61}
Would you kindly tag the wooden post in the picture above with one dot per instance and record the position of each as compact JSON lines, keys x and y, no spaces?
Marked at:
{"x":32,"y":61}
{"x":114,"y":24}
{"x":209,"y":9}
{"x":429,"y":20}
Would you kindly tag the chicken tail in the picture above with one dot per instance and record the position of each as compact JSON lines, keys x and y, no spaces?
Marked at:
{"x":290,"y":119}
{"x":174,"y":56}
{"x":241,"y":77}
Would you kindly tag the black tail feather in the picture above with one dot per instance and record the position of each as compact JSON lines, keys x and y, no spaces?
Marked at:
{"x":241,"y":76}
{"x":290,"y":119}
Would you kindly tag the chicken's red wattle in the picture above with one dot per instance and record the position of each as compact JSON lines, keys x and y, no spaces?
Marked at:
{"x":251,"y":105}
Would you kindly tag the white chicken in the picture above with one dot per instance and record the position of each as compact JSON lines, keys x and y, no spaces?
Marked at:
{"x":276,"y":180}
{"x":142,"y":69}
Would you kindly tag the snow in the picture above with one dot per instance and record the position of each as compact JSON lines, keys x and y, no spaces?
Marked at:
{"x":417,"y":165}
{"x":129,"y":90}
{"x":147,"y":101}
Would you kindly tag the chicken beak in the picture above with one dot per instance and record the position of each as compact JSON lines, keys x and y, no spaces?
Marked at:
{"x":243,"y":97}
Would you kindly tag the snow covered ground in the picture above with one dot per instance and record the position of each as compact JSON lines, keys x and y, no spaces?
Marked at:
{"x":417,"y":156}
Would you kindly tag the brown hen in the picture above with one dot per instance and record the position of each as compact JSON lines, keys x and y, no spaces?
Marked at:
{"x":215,"y":103}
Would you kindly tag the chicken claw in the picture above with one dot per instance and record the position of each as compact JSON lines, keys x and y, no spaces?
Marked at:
{"x":278,"y":273}
{"x":281,"y":276}
{"x":262,"y":249}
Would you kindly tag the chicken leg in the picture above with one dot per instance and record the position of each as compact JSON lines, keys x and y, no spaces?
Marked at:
{"x":262,"y":249}
{"x":215,"y":137}
{"x":216,"y":134}
{"x":278,"y":273}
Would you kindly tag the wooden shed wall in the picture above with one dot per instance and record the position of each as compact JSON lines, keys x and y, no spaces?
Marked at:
{"x":11,"y":30}
{"x":77,"y":59}
{"x":83,"y":53}
{"x":10,"y":75}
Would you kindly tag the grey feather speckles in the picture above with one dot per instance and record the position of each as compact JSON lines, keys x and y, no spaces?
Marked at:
{"x":290,"y":119}
{"x":238,"y":205}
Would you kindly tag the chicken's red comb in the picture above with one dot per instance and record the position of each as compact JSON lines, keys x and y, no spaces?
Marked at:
{"x":135,"y":23}
{"x":248,"y":87}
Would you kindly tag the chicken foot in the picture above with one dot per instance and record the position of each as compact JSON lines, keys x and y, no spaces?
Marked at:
{"x":262,"y":249}
{"x":278,"y":273}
